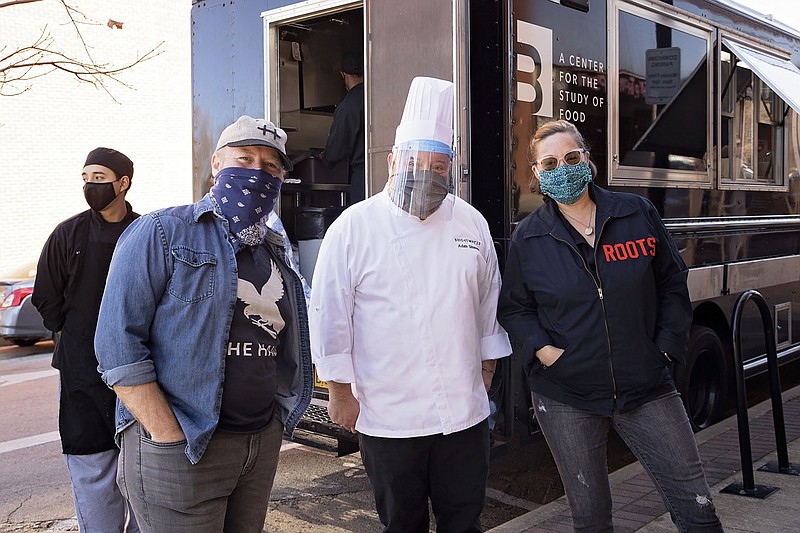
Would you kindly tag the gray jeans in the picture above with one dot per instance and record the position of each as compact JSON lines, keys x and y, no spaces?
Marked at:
{"x":227,"y":490}
{"x":660,"y":436}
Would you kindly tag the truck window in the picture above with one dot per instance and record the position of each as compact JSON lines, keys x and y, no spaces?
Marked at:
{"x":663,"y":127}
{"x":752,"y":128}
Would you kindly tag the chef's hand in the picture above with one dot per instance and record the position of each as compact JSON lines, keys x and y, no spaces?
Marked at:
{"x":487,"y":373}
{"x":548,"y":354}
{"x":343,"y":407}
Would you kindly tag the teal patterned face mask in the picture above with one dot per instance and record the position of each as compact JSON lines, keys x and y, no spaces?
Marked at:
{"x":565,"y":184}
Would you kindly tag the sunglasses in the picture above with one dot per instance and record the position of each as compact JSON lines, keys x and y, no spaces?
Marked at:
{"x":570,"y":158}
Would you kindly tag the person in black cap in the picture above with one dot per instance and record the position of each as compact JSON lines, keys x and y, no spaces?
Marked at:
{"x":346,"y":138}
{"x":69,"y":285}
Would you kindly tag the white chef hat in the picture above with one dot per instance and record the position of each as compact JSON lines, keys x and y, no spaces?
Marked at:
{"x":427,"y":122}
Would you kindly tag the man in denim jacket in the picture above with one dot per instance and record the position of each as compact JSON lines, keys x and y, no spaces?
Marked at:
{"x":203,"y":335}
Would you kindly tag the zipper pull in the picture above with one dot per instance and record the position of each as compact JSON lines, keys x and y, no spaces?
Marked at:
{"x":600,"y":292}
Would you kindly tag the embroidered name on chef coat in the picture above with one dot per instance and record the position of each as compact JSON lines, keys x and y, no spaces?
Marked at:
{"x":462,"y":242}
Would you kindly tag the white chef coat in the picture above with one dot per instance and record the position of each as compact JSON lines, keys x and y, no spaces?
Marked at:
{"x":405,"y":310}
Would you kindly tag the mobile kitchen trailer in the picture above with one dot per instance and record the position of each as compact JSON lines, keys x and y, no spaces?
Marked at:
{"x":691,"y":103}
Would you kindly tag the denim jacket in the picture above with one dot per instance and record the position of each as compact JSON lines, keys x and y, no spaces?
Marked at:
{"x":166,"y":316}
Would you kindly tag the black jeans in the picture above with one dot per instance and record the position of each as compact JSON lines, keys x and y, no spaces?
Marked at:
{"x":451,"y":470}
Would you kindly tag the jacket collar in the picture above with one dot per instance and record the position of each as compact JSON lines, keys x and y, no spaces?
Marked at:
{"x":545,"y":220}
{"x":203,"y":206}
{"x":98,"y":218}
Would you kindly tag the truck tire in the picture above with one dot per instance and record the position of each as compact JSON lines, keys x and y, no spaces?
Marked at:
{"x":703,"y":381}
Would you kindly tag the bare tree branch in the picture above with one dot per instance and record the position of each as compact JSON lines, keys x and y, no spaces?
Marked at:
{"x":43,"y":57}
{"x":69,"y":11}
{"x":17,"y":2}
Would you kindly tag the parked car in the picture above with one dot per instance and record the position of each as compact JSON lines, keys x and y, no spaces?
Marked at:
{"x":20,"y":322}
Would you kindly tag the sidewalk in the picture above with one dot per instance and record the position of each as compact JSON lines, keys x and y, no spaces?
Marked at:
{"x":637,"y":503}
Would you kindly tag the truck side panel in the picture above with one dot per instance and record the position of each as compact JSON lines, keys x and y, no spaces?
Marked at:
{"x":227,"y":74}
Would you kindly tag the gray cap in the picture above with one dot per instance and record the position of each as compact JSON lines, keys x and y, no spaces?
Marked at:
{"x":249,"y":131}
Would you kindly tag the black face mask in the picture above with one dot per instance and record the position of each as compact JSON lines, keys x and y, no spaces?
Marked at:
{"x":99,"y":195}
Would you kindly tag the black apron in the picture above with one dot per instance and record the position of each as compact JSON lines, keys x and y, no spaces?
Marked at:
{"x":87,"y":406}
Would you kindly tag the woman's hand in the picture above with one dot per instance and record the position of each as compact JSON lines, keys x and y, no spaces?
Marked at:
{"x":548,"y":354}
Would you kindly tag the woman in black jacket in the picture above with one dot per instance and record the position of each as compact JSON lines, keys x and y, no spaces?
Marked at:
{"x":594,"y":292}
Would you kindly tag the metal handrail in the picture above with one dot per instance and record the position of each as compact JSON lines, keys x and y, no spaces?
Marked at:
{"x":713,"y":224}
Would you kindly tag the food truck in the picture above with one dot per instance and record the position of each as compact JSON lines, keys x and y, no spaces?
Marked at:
{"x":691,"y":103}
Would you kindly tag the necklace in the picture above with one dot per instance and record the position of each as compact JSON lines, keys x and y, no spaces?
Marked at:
{"x":589,"y":228}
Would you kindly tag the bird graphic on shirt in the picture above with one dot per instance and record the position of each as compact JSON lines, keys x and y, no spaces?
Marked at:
{"x":262,"y":306}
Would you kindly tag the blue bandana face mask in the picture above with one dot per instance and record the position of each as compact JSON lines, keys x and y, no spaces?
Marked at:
{"x":565,"y":184}
{"x":246,"y":197}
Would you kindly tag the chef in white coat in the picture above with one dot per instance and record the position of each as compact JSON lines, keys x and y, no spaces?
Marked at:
{"x":403,"y":328}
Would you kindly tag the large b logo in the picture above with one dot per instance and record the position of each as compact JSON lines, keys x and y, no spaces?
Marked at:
{"x":534,"y":51}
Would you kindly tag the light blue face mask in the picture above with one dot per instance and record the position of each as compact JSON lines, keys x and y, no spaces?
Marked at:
{"x":565,"y":184}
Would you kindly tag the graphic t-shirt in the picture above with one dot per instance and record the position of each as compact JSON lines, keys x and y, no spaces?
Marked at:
{"x":253,"y":344}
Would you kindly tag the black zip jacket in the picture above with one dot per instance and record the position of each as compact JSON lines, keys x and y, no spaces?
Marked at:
{"x":614,"y":333}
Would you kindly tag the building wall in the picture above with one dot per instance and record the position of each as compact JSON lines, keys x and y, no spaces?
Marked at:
{"x":46,"y":132}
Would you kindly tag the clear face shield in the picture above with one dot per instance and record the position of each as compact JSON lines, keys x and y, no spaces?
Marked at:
{"x":420,"y":180}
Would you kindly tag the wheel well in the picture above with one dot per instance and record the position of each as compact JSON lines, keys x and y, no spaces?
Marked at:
{"x":705,"y":380}
{"x":710,"y":315}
